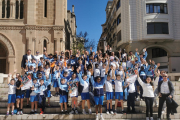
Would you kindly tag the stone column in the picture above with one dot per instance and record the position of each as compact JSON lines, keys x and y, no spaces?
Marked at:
{"x":13,"y":14}
{"x":11,"y":61}
{"x":19,"y":9}
{"x":0,"y":8}
{"x":34,"y":46}
{"x":27,"y":43}
{"x":55,"y":45}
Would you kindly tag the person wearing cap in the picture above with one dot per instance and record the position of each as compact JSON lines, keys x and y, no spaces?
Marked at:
{"x":50,"y":57}
{"x":26,"y":57}
{"x":38,"y":56}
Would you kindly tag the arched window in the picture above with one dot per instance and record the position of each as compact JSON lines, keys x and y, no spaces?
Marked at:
{"x":45,"y":8}
{"x":17,"y":9}
{"x":21,"y":9}
{"x":3,"y":9}
{"x":45,"y":44}
{"x":8,"y":9}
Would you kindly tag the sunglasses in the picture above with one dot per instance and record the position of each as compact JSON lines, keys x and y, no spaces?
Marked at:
{"x":164,"y":76}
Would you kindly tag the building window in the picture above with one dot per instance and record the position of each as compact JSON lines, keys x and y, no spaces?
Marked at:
{"x":45,"y":8}
{"x":21,"y":9}
{"x":3,"y":9}
{"x":17,"y":9}
{"x":119,"y":36}
{"x":45,"y":44}
{"x":119,"y":19}
{"x":158,"y":52}
{"x":156,"y":8}
{"x":8,"y":9}
{"x":157,"y":28}
{"x":118,"y":5}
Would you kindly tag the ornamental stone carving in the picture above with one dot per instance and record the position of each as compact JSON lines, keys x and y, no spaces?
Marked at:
{"x":11,"y":28}
{"x":8,"y":44}
{"x":59,"y":28}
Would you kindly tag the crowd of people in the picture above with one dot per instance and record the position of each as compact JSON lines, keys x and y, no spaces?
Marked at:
{"x":90,"y":74}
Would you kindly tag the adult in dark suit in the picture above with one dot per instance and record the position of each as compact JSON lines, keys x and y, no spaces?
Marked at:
{"x":165,"y":89}
{"x":28,"y":57}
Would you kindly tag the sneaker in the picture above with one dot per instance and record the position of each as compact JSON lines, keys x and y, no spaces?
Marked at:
{"x":66,"y":112}
{"x":107,"y":112}
{"x":7,"y":113}
{"x":72,"y":112}
{"x":17,"y":113}
{"x":12,"y":113}
{"x":31,"y":112}
{"x":112,"y":112}
{"x":115,"y":112}
{"x":84,"y":112}
{"x":151,"y":118}
{"x":76,"y":111}
{"x":97,"y":118}
{"x":123,"y":112}
{"x":90,"y":112}
{"x":21,"y":113}
{"x":147,"y":118}
{"x":28,"y":106}
{"x":41,"y":113}
{"x":62,"y":112}
{"x":35,"y":112}
{"x":101,"y":118}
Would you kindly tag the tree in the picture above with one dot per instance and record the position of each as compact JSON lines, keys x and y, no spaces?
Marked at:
{"x":83,"y":42}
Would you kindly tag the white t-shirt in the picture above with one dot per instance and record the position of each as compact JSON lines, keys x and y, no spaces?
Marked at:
{"x":124,"y":65}
{"x":129,"y":64}
{"x":118,"y":85}
{"x":108,"y":85}
{"x":103,"y":72}
{"x":47,"y":71}
{"x":86,"y":87}
{"x":131,"y":88}
{"x":29,"y":57}
{"x":12,"y":89}
{"x":37,"y":57}
{"x":96,"y":72}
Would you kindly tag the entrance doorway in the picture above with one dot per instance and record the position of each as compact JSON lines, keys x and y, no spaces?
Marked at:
{"x":3,"y":56}
{"x":159,"y":55}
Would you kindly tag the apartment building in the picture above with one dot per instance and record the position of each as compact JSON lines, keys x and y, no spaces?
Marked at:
{"x":151,"y":24}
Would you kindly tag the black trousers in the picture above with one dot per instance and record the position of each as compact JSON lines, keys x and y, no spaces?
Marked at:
{"x":161,"y":102}
{"x":42,"y":104}
{"x":149,"y":106}
{"x":130,"y":101}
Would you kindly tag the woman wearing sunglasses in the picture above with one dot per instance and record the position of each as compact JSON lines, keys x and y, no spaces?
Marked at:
{"x":148,"y":93}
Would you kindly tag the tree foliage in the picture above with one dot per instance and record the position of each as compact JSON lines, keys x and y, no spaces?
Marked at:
{"x":84,"y":41}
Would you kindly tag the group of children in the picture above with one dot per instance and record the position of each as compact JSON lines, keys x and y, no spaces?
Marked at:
{"x":81,"y":74}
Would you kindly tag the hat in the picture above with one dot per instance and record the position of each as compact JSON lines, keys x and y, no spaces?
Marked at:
{"x":111,"y":58}
{"x":37,"y":52}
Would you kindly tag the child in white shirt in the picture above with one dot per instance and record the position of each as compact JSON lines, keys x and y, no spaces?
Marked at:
{"x":11,"y":95}
{"x":109,"y":93}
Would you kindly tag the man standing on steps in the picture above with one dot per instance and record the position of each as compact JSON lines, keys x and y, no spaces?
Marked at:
{"x":165,"y":89}
{"x":28,"y":57}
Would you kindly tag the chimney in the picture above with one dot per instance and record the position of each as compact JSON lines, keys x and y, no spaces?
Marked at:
{"x":72,"y":8}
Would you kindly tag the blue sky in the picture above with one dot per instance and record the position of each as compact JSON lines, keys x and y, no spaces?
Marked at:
{"x":90,"y":15}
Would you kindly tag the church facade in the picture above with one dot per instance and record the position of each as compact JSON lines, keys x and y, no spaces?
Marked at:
{"x":33,"y":24}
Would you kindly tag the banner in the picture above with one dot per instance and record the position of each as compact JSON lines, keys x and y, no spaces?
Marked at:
{"x":27,"y":82}
{"x":131,"y":79}
{"x":73,"y":89}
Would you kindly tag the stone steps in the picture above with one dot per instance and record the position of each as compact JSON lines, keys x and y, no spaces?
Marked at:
{"x":139,"y":109}
{"x":83,"y":117}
